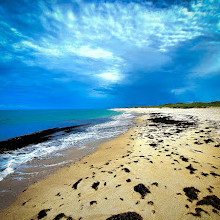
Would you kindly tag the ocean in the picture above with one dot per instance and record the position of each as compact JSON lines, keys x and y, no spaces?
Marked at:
{"x":89,"y":126}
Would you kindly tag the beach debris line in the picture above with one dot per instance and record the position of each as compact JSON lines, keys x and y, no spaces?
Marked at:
{"x":158,"y":118}
{"x":126,"y":216}
{"x":142,"y":189}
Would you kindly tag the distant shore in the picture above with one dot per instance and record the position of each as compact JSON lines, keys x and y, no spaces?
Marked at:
{"x":166,"y":167}
{"x":185,"y":105}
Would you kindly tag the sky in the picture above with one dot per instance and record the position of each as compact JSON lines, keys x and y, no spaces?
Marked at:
{"x":72,"y":54}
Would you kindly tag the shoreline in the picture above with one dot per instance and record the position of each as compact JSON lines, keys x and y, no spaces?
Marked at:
{"x":117,"y":166}
{"x":36,"y":137}
{"x":34,"y":170}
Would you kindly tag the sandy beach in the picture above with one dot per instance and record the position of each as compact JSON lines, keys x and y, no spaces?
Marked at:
{"x":166,"y":167}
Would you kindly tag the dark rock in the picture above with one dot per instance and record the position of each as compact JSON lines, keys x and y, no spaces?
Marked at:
{"x":155,"y":184}
{"x":126,"y":170}
{"x":95,"y":185}
{"x":198,"y":212}
{"x":126,"y":216}
{"x":59,"y":216}
{"x":208,"y":141}
{"x":42,"y":213}
{"x":190,"y":167}
{"x":76,"y":184}
{"x":184,"y":159}
{"x":214,"y":174}
{"x":142,"y":189}
{"x":93,"y":202}
{"x":204,"y":174}
{"x":215,"y":211}
{"x":213,"y":200}
{"x":198,"y":143}
{"x":191,"y":193}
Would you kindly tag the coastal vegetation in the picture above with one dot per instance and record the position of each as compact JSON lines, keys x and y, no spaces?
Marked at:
{"x":186,"y":105}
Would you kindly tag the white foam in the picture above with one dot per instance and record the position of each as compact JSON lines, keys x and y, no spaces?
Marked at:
{"x":119,"y":124}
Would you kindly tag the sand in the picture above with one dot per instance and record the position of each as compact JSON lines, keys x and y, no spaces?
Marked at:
{"x":167,"y":167}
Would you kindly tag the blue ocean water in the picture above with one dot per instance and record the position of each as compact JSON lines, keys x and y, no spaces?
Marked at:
{"x":103,"y":124}
{"x":15,"y":123}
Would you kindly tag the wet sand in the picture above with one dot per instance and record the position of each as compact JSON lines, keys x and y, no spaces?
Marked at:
{"x":40,"y":168}
{"x":167,"y":167}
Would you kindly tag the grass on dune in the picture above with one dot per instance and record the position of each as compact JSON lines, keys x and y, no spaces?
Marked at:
{"x":186,"y":105}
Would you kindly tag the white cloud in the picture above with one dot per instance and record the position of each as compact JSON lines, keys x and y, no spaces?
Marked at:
{"x":97,"y":53}
{"x":111,"y":76}
{"x":99,"y":37}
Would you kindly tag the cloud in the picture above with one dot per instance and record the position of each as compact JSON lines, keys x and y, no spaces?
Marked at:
{"x":110,"y":44}
{"x":112,"y":76}
{"x":104,"y":31}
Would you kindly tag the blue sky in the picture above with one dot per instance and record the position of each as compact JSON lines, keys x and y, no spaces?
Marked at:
{"x":112,"y":53}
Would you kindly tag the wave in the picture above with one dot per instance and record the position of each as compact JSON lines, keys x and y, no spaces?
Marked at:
{"x":118,"y":124}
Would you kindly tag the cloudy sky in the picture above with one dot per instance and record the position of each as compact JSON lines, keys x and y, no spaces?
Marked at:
{"x":112,"y":53}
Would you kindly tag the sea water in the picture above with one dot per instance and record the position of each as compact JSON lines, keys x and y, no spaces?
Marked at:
{"x":101,"y":124}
